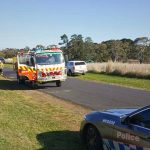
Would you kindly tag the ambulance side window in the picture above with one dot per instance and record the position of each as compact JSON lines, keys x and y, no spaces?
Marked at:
{"x":22,"y":59}
{"x":32,"y":61}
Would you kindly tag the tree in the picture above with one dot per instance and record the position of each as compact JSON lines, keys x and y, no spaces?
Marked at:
{"x":88,"y":49}
{"x":128,"y":48}
{"x":39,"y":46}
{"x":26,"y":49}
{"x":102,"y":52}
{"x":141,"y":46}
{"x":65,"y":48}
{"x":76,"y":47}
{"x":65,"y":40}
{"x":2,"y":54}
{"x":115,"y":50}
{"x":9,"y":52}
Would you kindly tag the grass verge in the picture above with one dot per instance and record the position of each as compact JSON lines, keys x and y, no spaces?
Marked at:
{"x":8,"y":66}
{"x":123,"y":81}
{"x":37,"y":122}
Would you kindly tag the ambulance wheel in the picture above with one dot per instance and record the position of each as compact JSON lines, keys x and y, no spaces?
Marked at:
{"x":20,"y":81}
{"x":34,"y":85}
{"x":93,"y":139}
{"x":58,"y":83}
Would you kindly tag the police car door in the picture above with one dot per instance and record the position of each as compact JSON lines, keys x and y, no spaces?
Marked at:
{"x":139,"y":124}
{"x":133,"y":134}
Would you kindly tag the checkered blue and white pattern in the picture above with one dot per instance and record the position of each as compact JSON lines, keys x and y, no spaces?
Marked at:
{"x":113,"y":145}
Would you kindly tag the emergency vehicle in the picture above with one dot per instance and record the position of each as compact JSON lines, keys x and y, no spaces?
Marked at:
{"x":117,"y":129}
{"x":41,"y":66}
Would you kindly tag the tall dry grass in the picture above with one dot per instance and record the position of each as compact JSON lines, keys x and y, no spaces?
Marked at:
{"x":140,"y":70}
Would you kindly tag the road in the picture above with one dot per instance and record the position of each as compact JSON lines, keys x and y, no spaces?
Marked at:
{"x":94,"y":95}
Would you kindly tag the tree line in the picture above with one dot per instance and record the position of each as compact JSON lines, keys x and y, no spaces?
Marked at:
{"x":78,"y":48}
{"x":112,"y":50}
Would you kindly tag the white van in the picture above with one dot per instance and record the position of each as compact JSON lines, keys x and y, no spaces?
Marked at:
{"x":76,"y":67}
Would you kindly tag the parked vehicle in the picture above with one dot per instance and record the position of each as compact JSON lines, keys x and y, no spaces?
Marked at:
{"x":76,"y":67}
{"x":41,"y":66}
{"x":117,"y":129}
{"x":2,"y":59}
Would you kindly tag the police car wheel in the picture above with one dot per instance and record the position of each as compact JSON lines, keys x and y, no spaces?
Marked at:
{"x":93,"y":139}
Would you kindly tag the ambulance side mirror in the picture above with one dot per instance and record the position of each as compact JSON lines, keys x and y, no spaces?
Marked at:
{"x":32,"y":62}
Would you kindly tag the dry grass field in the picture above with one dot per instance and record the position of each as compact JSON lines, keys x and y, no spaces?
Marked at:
{"x":138,"y":70}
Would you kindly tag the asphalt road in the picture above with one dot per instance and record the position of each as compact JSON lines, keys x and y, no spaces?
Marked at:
{"x":94,"y":95}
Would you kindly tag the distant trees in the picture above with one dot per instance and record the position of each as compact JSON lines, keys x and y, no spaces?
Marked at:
{"x":79,"y":48}
{"x":9,"y":52}
{"x":115,"y":50}
{"x":142,"y":47}
{"x":39,"y":46}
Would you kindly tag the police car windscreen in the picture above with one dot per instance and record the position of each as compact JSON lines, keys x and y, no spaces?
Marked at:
{"x":49,"y":59}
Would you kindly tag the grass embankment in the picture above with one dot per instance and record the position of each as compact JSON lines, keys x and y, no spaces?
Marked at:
{"x":123,"y":81}
{"x":32,"y":120}
{"x":8,"y":66}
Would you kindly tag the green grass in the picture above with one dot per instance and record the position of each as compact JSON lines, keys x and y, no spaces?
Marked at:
{"x":37,"y":122}
{"x":123,"y":81}
{"x":8,"y":65}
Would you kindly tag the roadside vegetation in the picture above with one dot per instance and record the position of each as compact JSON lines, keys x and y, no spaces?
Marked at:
{"x":121,"y":69}
{"x":77,"y":47}
{"x":37,"y":122}
{"x":8,"y":66}
{"x":118,"y":80}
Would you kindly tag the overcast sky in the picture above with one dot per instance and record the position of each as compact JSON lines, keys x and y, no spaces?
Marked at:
{"x":31,"y":22}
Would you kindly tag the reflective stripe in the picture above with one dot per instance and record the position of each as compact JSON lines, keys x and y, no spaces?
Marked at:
{"x":50,"y":69}
{"x":113,"y":145}
{"x":139,"y":148}
{"x":25,"y":68}
{"x":122,"y":146}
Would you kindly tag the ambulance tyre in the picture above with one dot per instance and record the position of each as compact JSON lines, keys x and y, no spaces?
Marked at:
{"x":20,"y":81}
{"x":58,"y":83}
{"x":34,"y":85}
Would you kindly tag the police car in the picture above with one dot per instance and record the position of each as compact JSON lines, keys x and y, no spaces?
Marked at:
{"x":117,"y":129}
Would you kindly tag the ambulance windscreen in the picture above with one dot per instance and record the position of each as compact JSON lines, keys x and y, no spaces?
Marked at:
{"x":49,"y":59}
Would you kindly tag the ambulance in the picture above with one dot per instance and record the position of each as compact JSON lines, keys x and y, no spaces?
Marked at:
{"x":41,"y":66}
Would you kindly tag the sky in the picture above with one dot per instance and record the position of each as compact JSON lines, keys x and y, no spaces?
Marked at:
{"x":31,"y":22}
